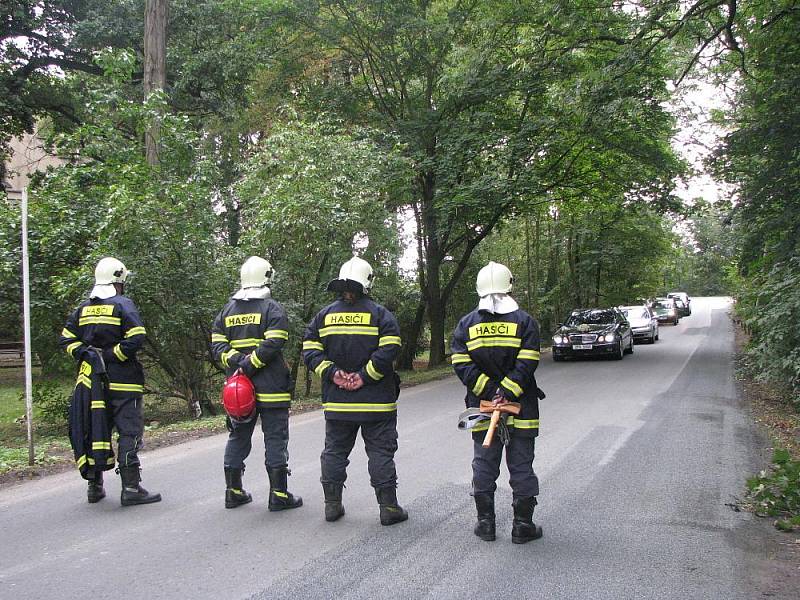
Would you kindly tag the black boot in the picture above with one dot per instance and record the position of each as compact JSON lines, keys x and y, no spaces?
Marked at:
{"x":391,"y":511}
{"x":334,"y":509}
{"x":485,"y":528}
{"x":524,"y":529}
{"x":132,"y":492}
{"x":235,"y":495}
{"x":279,"y":496}
{"x":95,"y":491}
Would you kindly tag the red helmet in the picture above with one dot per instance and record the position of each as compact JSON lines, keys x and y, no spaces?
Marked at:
{"x":239,"y":397}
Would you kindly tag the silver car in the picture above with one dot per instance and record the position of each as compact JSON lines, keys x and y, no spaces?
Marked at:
{"x":644,"y":324}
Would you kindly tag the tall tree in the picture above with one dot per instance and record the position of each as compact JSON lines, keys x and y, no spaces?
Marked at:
{"x":155,"y":66}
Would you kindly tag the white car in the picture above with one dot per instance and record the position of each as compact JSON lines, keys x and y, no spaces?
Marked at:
{"x":644,"y":324}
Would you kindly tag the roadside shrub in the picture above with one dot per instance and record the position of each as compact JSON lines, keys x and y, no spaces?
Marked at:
{"x":52,"y":402}
{"x":776,"y":493}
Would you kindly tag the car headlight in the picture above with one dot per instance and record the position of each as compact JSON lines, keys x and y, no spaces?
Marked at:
{"x":557,"y":339}
{"x":672,"y":311}
{"x":610,"y":337}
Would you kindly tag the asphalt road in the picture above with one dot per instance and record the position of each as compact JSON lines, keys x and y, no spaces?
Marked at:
{"x":637,"y":461}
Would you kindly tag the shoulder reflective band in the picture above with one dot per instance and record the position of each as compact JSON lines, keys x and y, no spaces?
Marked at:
{"x":244,"y":319}
{"x":511,"y":386}
{"x":97,"y":310}
{"x":525,"y":354}
{"x":226,"y":356}
{"x":101,"y":445}
{"x":257,"y":363}
{"x":218,"y":337}
{"x":359,"y":407}
{"x":126,"y":387}
{"x":67,"y":333}
{"x":522,"y":423}
{"x":72,"y":347}
{"x":245,"y":343}
{"x":457,"y":358}
{"x":99,"y":321}
{"x":388,"y":340}
{"x":276,"y":334}
{"x":98,"y":404}
{"x":267,"y":398}
{"x":492,"y":329}
{"x":477,"y":389}
{"x":119,"y":353}
{"x":320,"y":368}
{"x":347,"y":330}
{"x":348,"y":318}
{"x":312,"y":345}
{"x":135,"y":331}
{"x":494,"y":342}
{"x":373,"y":372}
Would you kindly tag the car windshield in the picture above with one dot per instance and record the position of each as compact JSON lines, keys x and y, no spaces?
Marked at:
{"x":591,"y":317}
{"x":662,"y":305}
{"x":635,"y":313}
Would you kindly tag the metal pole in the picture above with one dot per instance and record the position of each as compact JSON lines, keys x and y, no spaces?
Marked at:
{"x":26,"y":309}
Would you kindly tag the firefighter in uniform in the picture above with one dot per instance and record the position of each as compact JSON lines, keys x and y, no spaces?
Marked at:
{"x":351,"y":345}
{"x":109,"y":322}
{"x":495,"y":354}
{"x":249,"y":333}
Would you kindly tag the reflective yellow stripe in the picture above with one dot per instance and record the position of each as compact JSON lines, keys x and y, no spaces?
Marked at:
{"x":218,"y":337}
{"x":80,"y":461}
{"x":276,"y":334}
{"x":85,"y":381}
{"x":99,"y":321}
{"x":101,"y":445}
{"x":525,"y":354}
{"x":281,"y":397}
{"x":135,"y":331}
{"x":320,"y":368}
{"x":457,"y":358}
{"x":511,"y":386}
{"x":347,"y":330}
{"x":98,"y":404}
{"x":72,"y":347}
{"x":226,"y":355}
{"x":257,"y":363}
{"x":245,"y":343}
{"x":67,"y":333}
{"x":311,"y":345}
{"x":387,"y":340}
{"x":482,"y":426}
{"x":494,"y":342}
{"x":373,"y":372}
{"x":280,"y":494}
{"x":358,"y":407}
{"x":522,"y":423}
{"x":119,"y":353}
{"x":126,"y":387}
{"x":477,"y":389}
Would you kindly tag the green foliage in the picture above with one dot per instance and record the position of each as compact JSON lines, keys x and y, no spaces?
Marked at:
{"x":51,"y":400}
{"x":776,"y":493}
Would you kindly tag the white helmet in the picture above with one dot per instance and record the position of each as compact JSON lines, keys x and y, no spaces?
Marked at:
{"x":355,"y":270}
{"x":494,"y":278}
{"x":256,"y":272}
{"x":110,"y":270}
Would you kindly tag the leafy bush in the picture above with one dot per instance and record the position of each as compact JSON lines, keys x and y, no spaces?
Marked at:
{"x":52,"y":402}
{"x":777,"y":493}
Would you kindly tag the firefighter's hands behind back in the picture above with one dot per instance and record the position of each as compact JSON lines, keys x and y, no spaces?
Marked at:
{"x":348,"y":381}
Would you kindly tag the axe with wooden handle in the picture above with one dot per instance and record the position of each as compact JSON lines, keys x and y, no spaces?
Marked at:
{"x":511,"y":408}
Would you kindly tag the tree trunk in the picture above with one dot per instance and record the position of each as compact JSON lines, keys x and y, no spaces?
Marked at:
{"x":411,"y":339}
{"x":155,"y":66}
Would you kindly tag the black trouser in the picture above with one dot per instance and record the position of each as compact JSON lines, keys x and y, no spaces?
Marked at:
{"x":380,"y":442}
{"x":128,"y":417}
{"x":274,"y":424}
{"x":519,"y":460}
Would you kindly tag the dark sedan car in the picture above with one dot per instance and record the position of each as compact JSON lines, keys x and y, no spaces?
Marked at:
{"x":665,"y":310}
{"x":593,"y":332}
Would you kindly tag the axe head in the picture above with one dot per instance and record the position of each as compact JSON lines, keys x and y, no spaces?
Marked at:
{"x":511,"y":408}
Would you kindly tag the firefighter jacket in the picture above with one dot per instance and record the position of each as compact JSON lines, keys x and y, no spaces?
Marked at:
{"x":114,"y":326}
{"x":362,"y":338}
{"x":90,"y":418}
{"x":494,"y":354}
{"x":251,"y":334}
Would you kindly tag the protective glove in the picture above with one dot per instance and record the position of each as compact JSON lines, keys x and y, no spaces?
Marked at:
{"x":246,"y":366}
